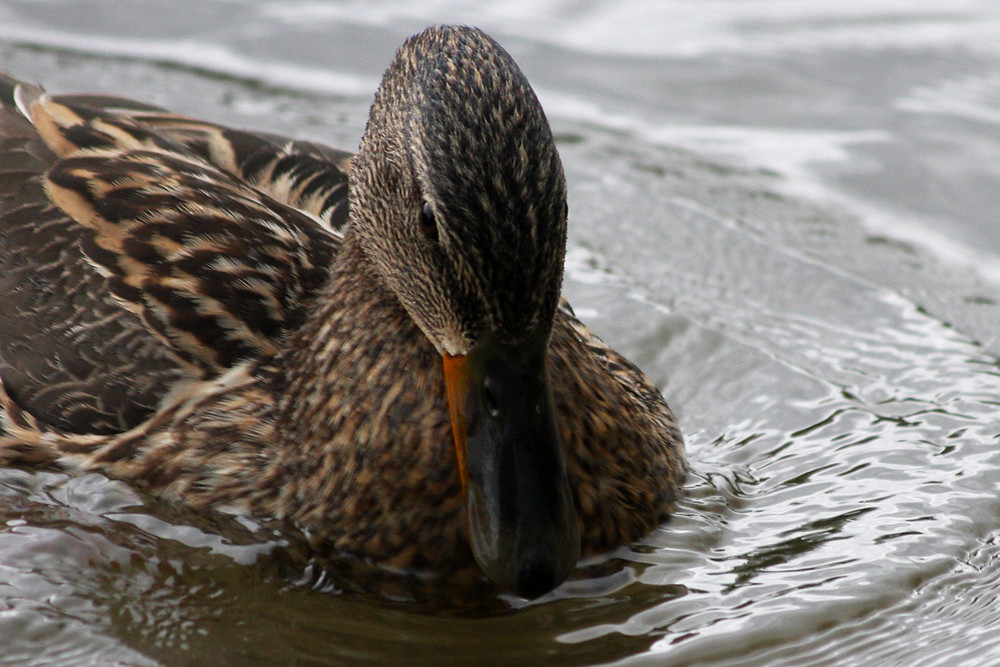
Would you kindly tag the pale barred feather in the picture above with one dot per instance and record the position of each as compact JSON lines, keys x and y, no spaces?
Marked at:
{"x":159,"y":215}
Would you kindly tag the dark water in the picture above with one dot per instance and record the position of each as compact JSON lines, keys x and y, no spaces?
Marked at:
{"x":785,"y":212}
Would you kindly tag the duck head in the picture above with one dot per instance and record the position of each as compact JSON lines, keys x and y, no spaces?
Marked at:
{"x":458,"y":200}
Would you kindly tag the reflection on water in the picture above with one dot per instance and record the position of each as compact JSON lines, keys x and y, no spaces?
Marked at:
{"x":784,"y":239}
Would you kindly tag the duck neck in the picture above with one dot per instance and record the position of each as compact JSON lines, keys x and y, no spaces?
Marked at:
{"x":355,"y":350}
{"x":362,"y":418}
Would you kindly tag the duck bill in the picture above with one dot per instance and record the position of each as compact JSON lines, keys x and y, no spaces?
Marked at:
{"x":522,"y":522}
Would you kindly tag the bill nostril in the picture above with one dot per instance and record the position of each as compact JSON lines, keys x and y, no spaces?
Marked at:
{"x":490,"y":400}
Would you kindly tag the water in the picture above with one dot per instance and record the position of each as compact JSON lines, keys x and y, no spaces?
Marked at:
{"x":785,"y":212}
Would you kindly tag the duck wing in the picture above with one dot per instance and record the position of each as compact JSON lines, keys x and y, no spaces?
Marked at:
{"x":140,"y":250}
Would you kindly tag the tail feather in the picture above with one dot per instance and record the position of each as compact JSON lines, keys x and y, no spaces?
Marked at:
{"x":17,"y":94}
{"x":26,"y":442}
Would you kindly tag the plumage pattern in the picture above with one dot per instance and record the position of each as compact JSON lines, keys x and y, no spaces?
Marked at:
{"x":190,"y":308}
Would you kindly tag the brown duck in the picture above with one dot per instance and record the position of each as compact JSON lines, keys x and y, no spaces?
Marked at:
{"x":372,"y":349}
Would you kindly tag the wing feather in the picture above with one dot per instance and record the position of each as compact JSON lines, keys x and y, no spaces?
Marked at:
{"x":142,"y":249}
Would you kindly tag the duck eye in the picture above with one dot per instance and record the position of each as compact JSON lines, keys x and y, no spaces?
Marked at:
{"x":427,"y":223}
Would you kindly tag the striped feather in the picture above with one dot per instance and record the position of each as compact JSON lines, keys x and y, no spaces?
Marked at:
{"x":196,"y":245}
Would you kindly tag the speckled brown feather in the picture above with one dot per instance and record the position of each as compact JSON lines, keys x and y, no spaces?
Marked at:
{"x":268,"y":366}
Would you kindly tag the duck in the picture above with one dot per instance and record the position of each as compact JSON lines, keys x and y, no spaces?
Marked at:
{"x":371,"y":349}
